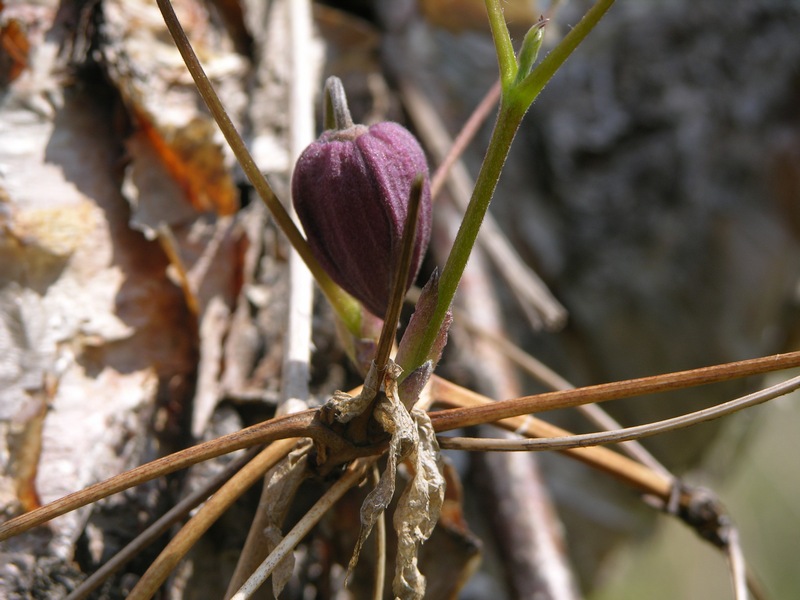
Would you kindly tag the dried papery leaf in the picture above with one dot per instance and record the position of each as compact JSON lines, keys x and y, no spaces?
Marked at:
{"x":396,"y":421}
{"x":418,"y":509}
{"x":280,"y":493}
{"x":344,"y":408}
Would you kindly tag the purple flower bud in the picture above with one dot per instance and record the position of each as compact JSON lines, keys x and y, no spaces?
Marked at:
{"x":351,"y":191}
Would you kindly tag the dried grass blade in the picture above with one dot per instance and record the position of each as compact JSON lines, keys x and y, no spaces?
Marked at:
{"x":603,"y":459}
{"x":548,"y":377}
{"x":207,"y":516}
{"x":351,"y":477}
{"x":296,"y":425}
{"x":494,"y":411}
{"x":380,"y":547}
{"x":627,"y":433}
{"x":159,"y":527}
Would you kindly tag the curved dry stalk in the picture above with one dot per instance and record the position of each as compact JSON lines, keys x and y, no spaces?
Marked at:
{"x":545,"y":375}
{"x":228,"y":130}
{"x":159,"y":527}
{"x":626,"y":433}
{"x":737,"y":563}
{"x":380,"y":546}
{"x":340,"y":300}
{"x":211,"y":511}
{"x":492,"y":411}
{"x":303,"y":424}
{"x":351,"y":477}
{"x":479,"y":410}
{"x":400,"y":276}
{"x":618,"y":466}
{"x":649,"y":482}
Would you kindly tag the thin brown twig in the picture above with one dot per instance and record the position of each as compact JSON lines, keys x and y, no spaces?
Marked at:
{"x":211,"y":511}
{"x":228,"y":130}
{"x":351,"y":477}
{"x":302,"y":424}
{"x":306,"y":424}
{"x":400,"y":276}
{"x":486,"y":413}
{"x":465,"y":136}
{"x":627,"y":433}
{"x":618,"y":466}
{"x":554,"y":381}
{"x":538,"y":304}
{"x":336,"y":296}
{"x":159,"y":527}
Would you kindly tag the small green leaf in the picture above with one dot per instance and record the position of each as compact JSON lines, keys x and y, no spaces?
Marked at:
{"x":530,"y":49}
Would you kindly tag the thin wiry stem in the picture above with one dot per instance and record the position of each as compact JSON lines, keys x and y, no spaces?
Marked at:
{"x":380,"y":546}
{"x":211,"y":511}
{"x":537,"y":302}
{"x":554,"y":381}
{"x":655,"y":384}
{"x":620,"y":467}
{"x":159,"y":527}
{"x":343,"y":304}
{"x":625,"y":434}
{"x":514,"y":104}
{"x":296,"y":425}
{"x":400,"y":276}
{"x":304,"y":424}
{"x":464,"y":137}
{"x":351,"y":477}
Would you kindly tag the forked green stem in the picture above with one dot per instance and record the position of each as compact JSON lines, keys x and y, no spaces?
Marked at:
{"x":517,"y":96}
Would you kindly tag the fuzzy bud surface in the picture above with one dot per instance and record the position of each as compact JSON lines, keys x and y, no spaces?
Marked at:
{"x":351,"y":189}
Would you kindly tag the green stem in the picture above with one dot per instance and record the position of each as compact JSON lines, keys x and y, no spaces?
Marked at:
{"x":516,"y":99}
{"x":527,"y":91}
{"x":506,"y":59}
{"x":505,"y":129}
{"x":343,"y":304}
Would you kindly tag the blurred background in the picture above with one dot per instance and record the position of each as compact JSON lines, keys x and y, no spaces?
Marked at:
{"x":654,"y":187}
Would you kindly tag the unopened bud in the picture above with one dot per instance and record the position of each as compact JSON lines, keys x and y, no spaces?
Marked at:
{"x":351,"y":192}
{"x":529,"y":51}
